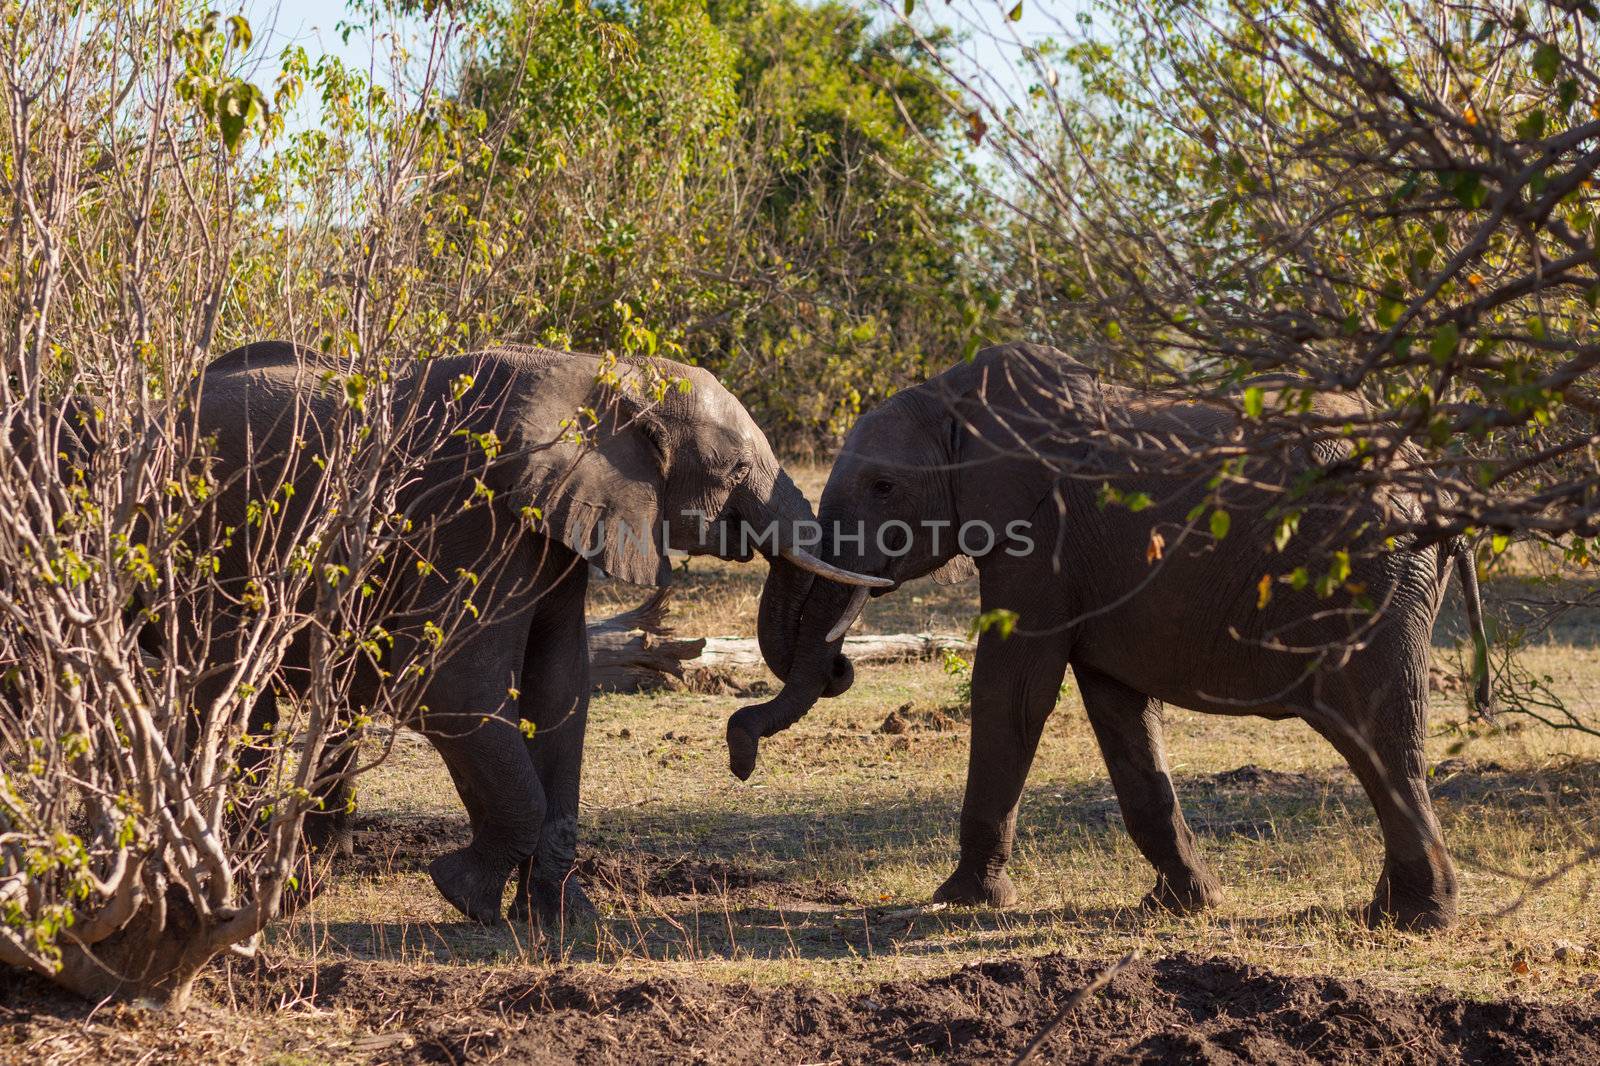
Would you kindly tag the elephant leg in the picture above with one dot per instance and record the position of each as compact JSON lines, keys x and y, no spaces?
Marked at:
{"x":1015,"y":684}
{"x":470,"y":717}
{"x":555,"y":701}
{"x":504,"y":801}
{"x":1417,"y":888}
{"x":1129,"y":728}
{"x":327,"y":824}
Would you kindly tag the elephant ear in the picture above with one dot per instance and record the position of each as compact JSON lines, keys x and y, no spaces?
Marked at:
{"x":960,"y":568}
{"x":600,"y":495}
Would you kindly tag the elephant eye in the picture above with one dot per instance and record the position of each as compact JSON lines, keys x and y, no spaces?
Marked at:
{"x":740,"y":471}
{"x":882,"y":487}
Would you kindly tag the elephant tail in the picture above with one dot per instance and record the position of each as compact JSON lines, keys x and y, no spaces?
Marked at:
{"x":1482,"y":687}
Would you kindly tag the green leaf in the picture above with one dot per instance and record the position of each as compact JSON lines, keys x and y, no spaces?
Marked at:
{"x":1567,"y":93}
{"x":1531,"y":126}
{"x":1015,"y":14}
{"x":1469,"y":190}
{"x":239,"y":105}
{"x":1220,"y":522}
{"x":239,"y":31}
{"x":1445,"y":341}
{"x":1000,"y":620}
{"x":1253,"y":401}
{"x":1287,"y":526}
{"x":1546,"y":62}
{"x":911,"y":5}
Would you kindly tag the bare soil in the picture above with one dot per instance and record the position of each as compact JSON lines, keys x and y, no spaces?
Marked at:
{"x":1182,"y":1007}
{"x":1179,"y":1008}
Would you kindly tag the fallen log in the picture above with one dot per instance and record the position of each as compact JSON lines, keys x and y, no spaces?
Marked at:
{"x":735,"y":652}
{"x":635,"y":651}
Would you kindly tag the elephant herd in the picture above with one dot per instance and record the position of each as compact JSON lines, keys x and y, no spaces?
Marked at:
{"x":1000,"y":465}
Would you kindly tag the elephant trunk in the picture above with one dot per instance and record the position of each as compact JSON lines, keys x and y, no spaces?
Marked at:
{"x":783,"y":514}
{"x":782,"y":518}
{"x":815,"y":669}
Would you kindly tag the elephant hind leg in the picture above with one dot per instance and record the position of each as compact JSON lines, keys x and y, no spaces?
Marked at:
{"x":1130,"y":730}
{"x":1417,"y":889}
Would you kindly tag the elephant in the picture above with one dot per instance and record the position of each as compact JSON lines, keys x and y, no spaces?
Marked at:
{"x":1013,"y":440}
{"x":658,"y":470}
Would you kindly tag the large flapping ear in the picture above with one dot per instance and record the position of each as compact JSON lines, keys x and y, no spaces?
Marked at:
{"x":960,"y":567}
{"x":594,"y":478}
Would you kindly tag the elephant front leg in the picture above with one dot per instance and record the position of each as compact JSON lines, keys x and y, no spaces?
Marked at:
{"x":554,"y":700}
{"x":1128,"y":725}
{"x":1015,"y":684}
{"x":548,"y":887}
{"x":505,"y":803}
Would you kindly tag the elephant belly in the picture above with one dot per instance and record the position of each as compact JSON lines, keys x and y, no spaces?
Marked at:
{"x":1222,"y":653}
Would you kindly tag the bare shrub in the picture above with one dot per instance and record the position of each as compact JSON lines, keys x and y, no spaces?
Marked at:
{"x":191,"y":643}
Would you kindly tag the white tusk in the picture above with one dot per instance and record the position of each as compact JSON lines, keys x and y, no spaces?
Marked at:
{"x":810,"y":563}
{"x":852,"y":611}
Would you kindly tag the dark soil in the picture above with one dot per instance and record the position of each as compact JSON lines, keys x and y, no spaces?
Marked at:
{"x":1181,"y":1008}
{"x":401,"y":843}
{"x":606,"y":874}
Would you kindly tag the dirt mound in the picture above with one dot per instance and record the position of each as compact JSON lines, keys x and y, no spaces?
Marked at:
{"x":1179,"y":1008}
{"x":401,"y":843}
{"x":683,"y":876}
{"x":1253,"y":778}
{"x":909,"y":718}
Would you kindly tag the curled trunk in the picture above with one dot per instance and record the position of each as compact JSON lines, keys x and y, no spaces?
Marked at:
{"x":814,"y":669}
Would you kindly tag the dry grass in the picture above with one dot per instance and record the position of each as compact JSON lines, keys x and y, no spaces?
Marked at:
{"x":819,"y":869}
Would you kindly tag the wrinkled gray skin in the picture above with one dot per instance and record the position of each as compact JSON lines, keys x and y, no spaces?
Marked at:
{"x":696,"y":451}
{"x":956,"y":448}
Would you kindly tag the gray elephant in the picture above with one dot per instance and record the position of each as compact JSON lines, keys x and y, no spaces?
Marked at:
{"x":654,"y":472}
{"x":1009,"y":441}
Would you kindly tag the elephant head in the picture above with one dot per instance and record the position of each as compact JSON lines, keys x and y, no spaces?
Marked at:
{"x":625,"y":462}
{"x":909,"y":473}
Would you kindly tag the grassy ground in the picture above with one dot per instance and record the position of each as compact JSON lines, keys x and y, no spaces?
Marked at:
{"x":821,"y":867}
{"x":819,"y":870}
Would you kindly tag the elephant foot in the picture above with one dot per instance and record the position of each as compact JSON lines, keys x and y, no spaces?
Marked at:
{"x":554,"y":906}
{"x":1419,"y":897}
{"x":1191,"y":896}
{"x":1412,"y":914}
{"x":472,"y":887}
{"x":329,"y":835}
{"x":976,"y":890}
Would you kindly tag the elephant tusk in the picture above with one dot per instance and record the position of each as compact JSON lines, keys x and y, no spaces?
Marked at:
{"x":811,"y":564}
{"x":852,"y":611}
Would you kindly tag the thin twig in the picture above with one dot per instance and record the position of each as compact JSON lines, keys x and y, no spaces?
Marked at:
{"x":1101,"y":980}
